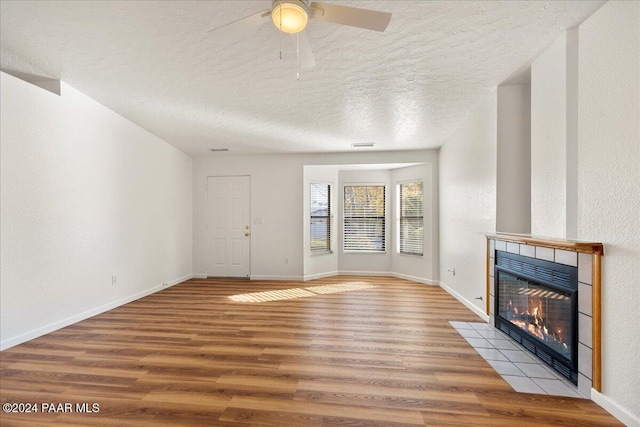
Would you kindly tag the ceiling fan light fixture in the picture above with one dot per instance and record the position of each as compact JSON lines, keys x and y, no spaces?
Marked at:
{"x":289,"y":16}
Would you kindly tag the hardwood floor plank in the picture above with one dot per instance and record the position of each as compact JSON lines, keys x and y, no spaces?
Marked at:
{"x":383,"y":391}
{"x":240,"y":416}
{"x":259,"y":382}
{"x":320,"y":408}
{"x":319,"y":371}
{"x":359,"y":351}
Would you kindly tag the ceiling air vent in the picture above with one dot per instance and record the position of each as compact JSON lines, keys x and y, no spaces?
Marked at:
{"x":362,"y":145}
{"x":215,"y":150}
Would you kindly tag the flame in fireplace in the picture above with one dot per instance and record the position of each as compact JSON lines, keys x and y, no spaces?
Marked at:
{"x":532,"y":320}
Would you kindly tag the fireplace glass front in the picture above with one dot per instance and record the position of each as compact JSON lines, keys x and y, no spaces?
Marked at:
{"x":542,"y":313}
{"x":536,"y":304}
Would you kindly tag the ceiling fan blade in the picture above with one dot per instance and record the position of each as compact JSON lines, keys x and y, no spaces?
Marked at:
{"x":305,"y":55}
{"x":354,"y":17}
{"x":242,"y":26}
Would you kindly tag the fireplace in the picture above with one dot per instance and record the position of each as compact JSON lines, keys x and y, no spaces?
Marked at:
{"x":536,"y":304}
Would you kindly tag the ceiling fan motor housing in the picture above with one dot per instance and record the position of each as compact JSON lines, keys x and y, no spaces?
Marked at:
{"x":290,"y":16}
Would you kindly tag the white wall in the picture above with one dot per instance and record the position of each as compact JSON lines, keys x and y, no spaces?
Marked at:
{"x":361,"y":263}
{"x":320,"y":265}
{"x":85,"y":194}
{"x":554,"y":138}
{"x":513,"y":199}
{"x":606,"y":151}
{"x":424,"y":268}
{"x":468,"y":172}
{"x":419,"y":268}
{"x":572,"y":133}
{"x":276,"y":212}
{"x":548,"y":141}
{"x":277,"y":199}
{"x":609,"y":188}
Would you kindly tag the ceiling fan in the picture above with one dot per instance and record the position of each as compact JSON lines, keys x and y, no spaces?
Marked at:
{"x":291,"y":16}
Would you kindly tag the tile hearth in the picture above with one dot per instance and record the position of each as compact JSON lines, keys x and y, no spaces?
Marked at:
{"x":519,"y":368}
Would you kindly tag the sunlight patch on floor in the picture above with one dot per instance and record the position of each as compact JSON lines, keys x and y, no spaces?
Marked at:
{"x":284,"y":294}
{"x":340,"y":287}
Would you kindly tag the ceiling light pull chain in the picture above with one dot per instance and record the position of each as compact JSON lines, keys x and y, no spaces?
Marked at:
{"x":280,"y":35}
{"x":297,"y":56}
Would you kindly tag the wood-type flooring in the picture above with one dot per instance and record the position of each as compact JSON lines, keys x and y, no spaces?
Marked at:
{"x":369,"y":351}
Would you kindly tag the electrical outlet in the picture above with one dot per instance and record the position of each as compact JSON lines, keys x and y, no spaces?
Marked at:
{"x":114,"y":280}
{"x":164,"y":285}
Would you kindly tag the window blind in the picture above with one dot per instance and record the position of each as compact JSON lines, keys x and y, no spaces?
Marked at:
{"x":364,"y":218}
{"x":411,"y":218}
{"x":320,"y":218}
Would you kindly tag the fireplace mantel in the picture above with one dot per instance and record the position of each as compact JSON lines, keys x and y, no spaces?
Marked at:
{"x":587,"y":256}
{"x":547,"y":242}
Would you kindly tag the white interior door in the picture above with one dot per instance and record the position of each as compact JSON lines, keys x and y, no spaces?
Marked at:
{"x":228,"y":226}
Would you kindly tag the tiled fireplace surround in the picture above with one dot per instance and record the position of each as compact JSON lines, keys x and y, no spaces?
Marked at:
{"x":587,"y":258}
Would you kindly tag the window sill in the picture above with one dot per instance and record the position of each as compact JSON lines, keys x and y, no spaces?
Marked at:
{"x":365,"y":252}
{"x":322,"y":254}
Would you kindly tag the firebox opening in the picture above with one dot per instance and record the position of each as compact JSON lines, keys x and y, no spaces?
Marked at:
{"x":536,"y":305}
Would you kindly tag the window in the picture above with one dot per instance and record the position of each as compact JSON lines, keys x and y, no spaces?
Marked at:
{"x":364,"y":218}
{"x":320,"y":218}
{"x":411,"y":220}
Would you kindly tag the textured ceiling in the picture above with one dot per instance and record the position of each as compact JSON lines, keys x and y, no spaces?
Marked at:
{"x":407,"y":88}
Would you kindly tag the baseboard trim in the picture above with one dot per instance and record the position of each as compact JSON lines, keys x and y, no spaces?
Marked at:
{"x":38,"y":332}
{"x":309,"y":277}
{"x":256,"y":277}
{"x":465,"y":301}
{"x":365,"y":273}
{"x":320,"y":275}
{"x":622,"y":414}
{"x":266,"y":277}
{"x":371,"y":273}
{"x":178,"y":280}
{"x":415,"y":279}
